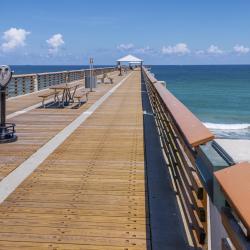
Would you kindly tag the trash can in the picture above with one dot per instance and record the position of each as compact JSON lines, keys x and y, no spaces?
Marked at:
{"x":90,"y":81}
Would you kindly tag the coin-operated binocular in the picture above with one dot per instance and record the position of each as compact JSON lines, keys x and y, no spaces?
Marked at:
{"x":7,"y":130}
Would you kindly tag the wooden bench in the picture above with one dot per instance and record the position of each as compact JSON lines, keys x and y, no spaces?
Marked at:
{"x":79,"y":95}
{"x":110,"y":80}
{"x":48,"y":94}
{"x":105,"y":76}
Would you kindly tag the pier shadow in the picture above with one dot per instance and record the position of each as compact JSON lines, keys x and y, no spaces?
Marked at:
{"x":166,"y":229}
{"x":55,"y":105}
{"x":78,"y":105}
{"x":51,"y":105}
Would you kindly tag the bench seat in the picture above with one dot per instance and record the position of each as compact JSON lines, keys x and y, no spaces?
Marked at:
{"x":109,"y":80}
{"x":48,"y":94}
{"x":80,"y":94}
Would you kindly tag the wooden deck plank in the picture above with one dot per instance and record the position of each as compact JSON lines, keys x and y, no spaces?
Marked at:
{"x":52,"y":246}
{"x":87,"y":232}
{"x":34,"y":208}
{"x":90,"y":192}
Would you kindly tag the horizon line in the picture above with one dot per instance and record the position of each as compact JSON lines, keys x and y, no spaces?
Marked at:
{"x":147,"y":64}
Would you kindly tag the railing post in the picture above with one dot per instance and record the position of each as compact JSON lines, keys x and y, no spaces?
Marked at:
{"x":67,"y":76}
{"x":35,"y":82}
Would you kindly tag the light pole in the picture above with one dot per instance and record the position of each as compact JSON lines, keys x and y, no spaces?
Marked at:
{"x":91,"y":62}
{"x":7,"y":130}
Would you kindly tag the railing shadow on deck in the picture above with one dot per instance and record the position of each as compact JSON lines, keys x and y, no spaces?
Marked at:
{"x":191,"y":161}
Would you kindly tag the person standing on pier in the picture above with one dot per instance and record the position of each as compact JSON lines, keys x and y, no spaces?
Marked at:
{"x":119,"y":68}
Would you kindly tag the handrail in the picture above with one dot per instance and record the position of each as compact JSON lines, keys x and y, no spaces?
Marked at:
{"x":54,"y":73}
{"x":23,"y":75}
{"x":180,"y":159}
{"x":194,"y":160}
{"x":190,"y":126}
{"x":28,"y":83}
{"x":235,"y":185}
{"x":58,"y":72}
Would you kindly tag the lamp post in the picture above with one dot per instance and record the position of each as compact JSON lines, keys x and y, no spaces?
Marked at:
{"x":91,"y":62}
{"x":7,"y":130}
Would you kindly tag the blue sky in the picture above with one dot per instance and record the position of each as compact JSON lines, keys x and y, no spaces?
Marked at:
{"x":160,"y":31}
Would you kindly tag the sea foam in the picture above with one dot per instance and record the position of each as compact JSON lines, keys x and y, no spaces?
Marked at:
{"x":217,"y":126}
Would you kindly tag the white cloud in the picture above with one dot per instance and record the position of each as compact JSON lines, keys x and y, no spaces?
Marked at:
{"x":123,"y":46}
{"x":240,"y":49}
{"x":55,"y":42}
{"x":215,"y":50}
{"x":179,"y":49}
{"x":14,"y":38}
{"x":200,"y":52}
{"x":144,"y":50}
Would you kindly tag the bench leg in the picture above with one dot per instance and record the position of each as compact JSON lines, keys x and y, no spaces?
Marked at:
{"x":56,"y":98}
{"x":43,"y":103}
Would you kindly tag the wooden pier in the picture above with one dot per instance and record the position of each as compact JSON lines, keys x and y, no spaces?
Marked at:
{"x":131,"y":169}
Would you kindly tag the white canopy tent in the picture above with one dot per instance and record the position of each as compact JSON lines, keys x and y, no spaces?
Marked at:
{"x":130,"y":59}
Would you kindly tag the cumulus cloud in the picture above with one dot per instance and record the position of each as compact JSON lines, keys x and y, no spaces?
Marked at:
{"x":144,"y":50}
{"x":215,"y":50}
{"x":55,"y":42}
{"x":179,"y":49}
{"x":123,"y":46}
{"x":200,"y":52}
{"x":14,"y":38}
{"x":240,"y":49}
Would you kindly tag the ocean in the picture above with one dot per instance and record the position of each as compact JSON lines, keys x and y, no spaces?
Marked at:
{"x":218,"y":95}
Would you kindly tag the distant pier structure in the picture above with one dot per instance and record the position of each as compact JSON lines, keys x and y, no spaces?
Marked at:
{"x":126,"y":167}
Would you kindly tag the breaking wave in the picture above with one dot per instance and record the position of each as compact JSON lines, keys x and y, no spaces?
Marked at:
{"x":230,"y":131}
{"x":217,"y":126}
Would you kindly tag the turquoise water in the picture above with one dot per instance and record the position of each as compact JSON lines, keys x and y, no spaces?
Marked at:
{"x":218,"y":95}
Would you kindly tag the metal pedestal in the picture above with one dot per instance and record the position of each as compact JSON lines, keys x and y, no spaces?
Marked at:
{"x":7,"y":133}
{"x":7,"y":130}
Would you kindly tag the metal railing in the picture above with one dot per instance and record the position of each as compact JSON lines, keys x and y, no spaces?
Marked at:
{"x":193,"y":157}
{"x":29,"y":83}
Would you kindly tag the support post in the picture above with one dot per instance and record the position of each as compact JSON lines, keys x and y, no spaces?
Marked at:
{"x":91,"y":73}
{"x":3,"y":106}
{"x":35,"y":79}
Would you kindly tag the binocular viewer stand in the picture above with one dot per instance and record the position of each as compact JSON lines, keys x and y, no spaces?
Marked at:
{"x":7,"y":130}
{"x":7,"y":133}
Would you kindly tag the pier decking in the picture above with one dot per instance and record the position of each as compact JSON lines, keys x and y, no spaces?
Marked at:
{"x":90,"y":192}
